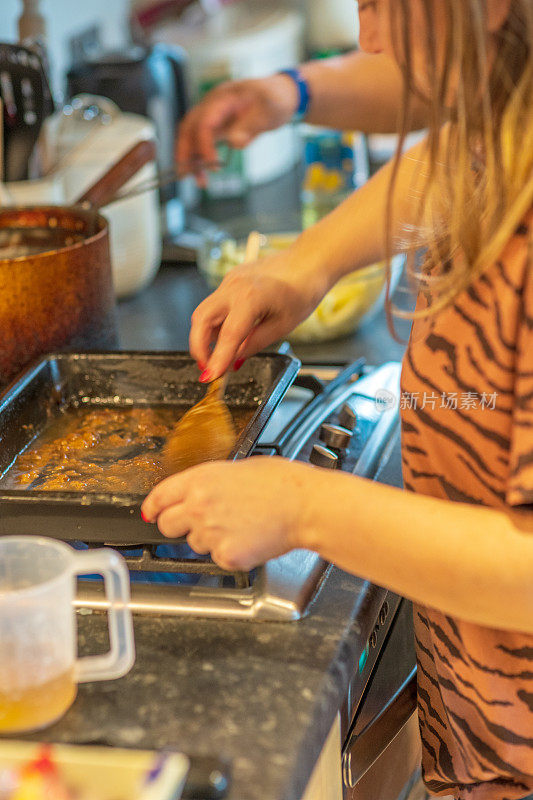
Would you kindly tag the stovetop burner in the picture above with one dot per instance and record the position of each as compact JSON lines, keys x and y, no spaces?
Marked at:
{"x":339,"y":419}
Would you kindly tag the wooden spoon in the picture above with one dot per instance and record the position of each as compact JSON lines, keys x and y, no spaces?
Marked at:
{"x":206,"y":432}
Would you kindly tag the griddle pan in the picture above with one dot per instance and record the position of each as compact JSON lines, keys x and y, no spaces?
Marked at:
{"x":115,"y":379}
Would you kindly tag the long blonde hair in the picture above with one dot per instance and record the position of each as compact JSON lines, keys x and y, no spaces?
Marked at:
{"x":480,"y":146}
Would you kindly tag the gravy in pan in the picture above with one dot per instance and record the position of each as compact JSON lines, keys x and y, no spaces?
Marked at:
{"x":105,"y":449}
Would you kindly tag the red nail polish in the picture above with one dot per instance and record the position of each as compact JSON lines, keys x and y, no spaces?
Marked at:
{"x":144,"y":519}
{"x":238,"y":364}
{"x":205,"y":377}
{"x":201,"y":366}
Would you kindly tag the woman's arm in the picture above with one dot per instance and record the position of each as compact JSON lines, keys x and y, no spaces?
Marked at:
{"x":359,"y":91}
{"x":259,"y":303}
{"x":473,"y":563}
{"x":352,"y":92}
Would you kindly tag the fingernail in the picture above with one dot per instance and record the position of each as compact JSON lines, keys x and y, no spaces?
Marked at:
{"x":205,"y":377}
{"x":201,"y":366}
{"x":238,"y":364}
{"x":144,"y":517}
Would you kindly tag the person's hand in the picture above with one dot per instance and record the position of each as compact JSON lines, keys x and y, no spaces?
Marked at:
{"x":256,"y":304}
{"x":235,"y":112}
{"x":242,"y":513}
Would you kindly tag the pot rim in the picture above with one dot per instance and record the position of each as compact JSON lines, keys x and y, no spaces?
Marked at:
{"x":79,"y":210}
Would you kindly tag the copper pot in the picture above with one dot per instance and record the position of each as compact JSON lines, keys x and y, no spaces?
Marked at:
{"x":59,"y":293}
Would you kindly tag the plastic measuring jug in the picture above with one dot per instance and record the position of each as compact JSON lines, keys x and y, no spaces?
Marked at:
{"x":39,"y":668}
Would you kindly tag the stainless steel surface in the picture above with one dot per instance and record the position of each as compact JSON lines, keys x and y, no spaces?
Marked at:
{"x":335,"y":436}
{"x":364,"y":751}
{"x":386,"y":377}
{"x":323,"y":457}
{"x":395,"y":772}
{"x":382,"y":748}
{"x":283,"y":589}
{"x":347,"y":417}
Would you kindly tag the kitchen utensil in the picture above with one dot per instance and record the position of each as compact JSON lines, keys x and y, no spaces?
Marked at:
{"x":66,"y":380}
{"x":38,"y":665}
{"x":206,"y":432}
{"x":27,"y":102}
{"x":163,"y":179}
{"x":62,"y":295}
{"x":59,"y":298}
{"x":78,"y":145}
{"x":106,"y":187}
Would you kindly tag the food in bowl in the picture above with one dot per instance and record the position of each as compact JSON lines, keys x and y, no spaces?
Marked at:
{"x":354,"y":299}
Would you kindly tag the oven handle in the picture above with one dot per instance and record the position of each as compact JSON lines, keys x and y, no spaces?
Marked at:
{"x":362,"y":750}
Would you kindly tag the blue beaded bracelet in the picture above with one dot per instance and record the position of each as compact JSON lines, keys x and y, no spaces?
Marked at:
{"x":304,"y":95}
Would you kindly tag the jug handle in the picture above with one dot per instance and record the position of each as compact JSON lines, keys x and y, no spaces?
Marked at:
{"x":121,"y":656}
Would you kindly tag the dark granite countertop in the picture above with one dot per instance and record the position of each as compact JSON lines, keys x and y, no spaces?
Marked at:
{"x":263,"y":695}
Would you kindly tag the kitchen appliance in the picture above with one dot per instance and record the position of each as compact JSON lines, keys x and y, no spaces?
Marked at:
{"x":339,"y":417}
{"x":246,"y":39}
{"x":148,"y":81}
{"x":332,"y":25}
{"x":381,"y":753}
{"x":27,"y":102}
{"x":79,"y":144}
{"x":337,"y":424}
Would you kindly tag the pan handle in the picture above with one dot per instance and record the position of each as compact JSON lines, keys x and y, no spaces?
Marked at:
{"x":106,"y":187}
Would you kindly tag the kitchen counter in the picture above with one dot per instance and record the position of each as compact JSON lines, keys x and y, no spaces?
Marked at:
{"x":262,"y":695}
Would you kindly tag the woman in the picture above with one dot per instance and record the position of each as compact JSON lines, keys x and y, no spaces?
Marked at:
{"x":467,"y":195}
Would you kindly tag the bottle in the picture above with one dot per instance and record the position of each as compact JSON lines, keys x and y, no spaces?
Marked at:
{"x":330,"y":171}
{"x":230,"y":180}
{"x":31,"y":23}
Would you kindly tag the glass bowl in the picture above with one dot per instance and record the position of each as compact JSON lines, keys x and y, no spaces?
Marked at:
{"x":353,"y":300}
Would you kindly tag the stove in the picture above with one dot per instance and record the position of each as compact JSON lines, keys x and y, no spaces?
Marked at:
{"x":333,"y":417}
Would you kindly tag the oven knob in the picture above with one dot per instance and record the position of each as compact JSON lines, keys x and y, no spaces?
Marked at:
{"x":322,"y":457}
{"x":335,"y":437}
{"x":347,"y":417}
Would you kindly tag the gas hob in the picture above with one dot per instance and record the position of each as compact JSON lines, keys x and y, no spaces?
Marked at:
{"x":344,"y":419}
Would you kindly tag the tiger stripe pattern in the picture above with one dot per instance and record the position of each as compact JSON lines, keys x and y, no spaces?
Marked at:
{"x":467,"y":436}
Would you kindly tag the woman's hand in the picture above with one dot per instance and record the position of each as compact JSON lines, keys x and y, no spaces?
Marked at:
{"x":255,"y":305}
{"x":243,"y":513}
{"x":235,"y":112}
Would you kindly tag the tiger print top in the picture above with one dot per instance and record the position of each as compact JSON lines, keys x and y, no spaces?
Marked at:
{"x":467,"y":435}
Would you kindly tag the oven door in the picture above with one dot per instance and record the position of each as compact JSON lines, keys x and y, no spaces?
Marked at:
{"x":381,"y":756}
